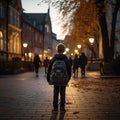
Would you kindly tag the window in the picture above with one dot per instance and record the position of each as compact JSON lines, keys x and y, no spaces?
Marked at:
{"x":36,"y":37}
{"x":14,"y":17}
{"x":1,"y":41}
{"x":34,"y":23}
{"x":40,"y":27}
{"x":1,"y":11}
{"x":47,"y":28}
{"x":14,"y":43}
{"x":11,"y":16}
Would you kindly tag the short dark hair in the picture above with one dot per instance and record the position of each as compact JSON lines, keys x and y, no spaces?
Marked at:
{"x":60,"y":48}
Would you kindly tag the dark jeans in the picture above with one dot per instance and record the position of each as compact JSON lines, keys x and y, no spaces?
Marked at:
{"x":36,"y":69}
{"x":57,"y":90}
{"x":75,"y":69}
{"x":83,"y":70}
{"x":46,"y":68}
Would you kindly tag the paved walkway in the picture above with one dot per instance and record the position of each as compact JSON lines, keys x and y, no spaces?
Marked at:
{"x":25,"y":97}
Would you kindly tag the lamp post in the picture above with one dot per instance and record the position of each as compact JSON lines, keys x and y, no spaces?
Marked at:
{"x":79,"y":47}
{"x":91,"y":40}
{"x":25,"y":46}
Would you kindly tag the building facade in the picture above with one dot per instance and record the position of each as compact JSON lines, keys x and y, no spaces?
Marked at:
{"x":17,"y":28}
{"x":10,"y":29}
{"x":42,"y":22}
{"x":33,"y":36}
{"x":54,"y":43}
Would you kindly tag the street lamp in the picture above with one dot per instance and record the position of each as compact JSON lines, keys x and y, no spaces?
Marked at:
{"x":76,"y":51}
{"x":79,"y":47}
{"x":67,"y":49}
{"x":91,"y":40}
{"x":25,"y":46}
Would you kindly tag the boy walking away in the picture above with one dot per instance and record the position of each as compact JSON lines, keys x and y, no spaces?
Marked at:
{"x":59,"y":74}
{"x":37,"y":63}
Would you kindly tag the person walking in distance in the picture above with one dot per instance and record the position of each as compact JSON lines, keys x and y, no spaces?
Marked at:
{"x":75,"y":66}
{"x":46,"y":64}
{"x":37,"y":63}
{"x":71,"y":61}
{"x":83,"y":62}
{"x":58,"y":78}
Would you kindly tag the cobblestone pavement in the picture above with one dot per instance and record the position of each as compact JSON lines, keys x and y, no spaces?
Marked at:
{"x":25,"y":97}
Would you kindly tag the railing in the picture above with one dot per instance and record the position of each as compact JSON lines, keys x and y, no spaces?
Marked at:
{"x":94,"y":64}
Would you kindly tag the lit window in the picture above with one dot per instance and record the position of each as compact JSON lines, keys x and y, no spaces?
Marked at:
{"x":1,"y":41}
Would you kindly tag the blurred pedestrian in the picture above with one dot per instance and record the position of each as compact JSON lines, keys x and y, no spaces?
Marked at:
{"x":58,"y":88}
{"x":83,"y":62}
{"x":75,"y":65}
{"x":71,"y":61}
{"x":37,"y":62}
{"x":46,"y":64}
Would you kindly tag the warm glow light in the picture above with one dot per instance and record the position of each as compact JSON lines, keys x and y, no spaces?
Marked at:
{"x":25,"y":45}
{"x":50,"y":58}
{"x":30,"y":54}
{"x":65,"y":52}
{"x":79,"y":46}
{"x":67,"y":49}
{"x":45,"y":51}
{"x":40,"y":55}
{"x":76,"y":51}
{"x":91,"y":40}
{"x":25,"y":54}
{"x":1,"y":35}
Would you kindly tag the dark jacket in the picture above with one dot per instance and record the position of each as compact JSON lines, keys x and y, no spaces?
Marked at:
{"x":36,"y":61}
{"x":59,"y":57}
{"x":83,"y":61}
{"x":71,"y":61}
{"x":46,"y":62}
{"x":75,"y":63}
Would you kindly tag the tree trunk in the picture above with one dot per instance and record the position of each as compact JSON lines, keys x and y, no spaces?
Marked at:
{"x":105,"y":39}
{"x":114,"y":20}
{"x":104,"y":31}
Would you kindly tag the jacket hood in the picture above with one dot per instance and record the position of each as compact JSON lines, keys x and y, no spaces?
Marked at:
{"x":60,"y":56}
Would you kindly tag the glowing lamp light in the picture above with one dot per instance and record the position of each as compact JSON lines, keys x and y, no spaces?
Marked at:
{"x":25,"y":45}
{"x":30,"y":55}
{"x":67,"y":49}
{"x":79,"y":46}
{"x":91,"y":40}
{"x":76,"y":51}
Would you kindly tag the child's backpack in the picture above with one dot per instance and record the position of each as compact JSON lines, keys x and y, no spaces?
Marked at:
{"x":59,"y":74}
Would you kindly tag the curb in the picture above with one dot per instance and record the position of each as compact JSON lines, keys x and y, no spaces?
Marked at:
{"x":109,"y":76}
